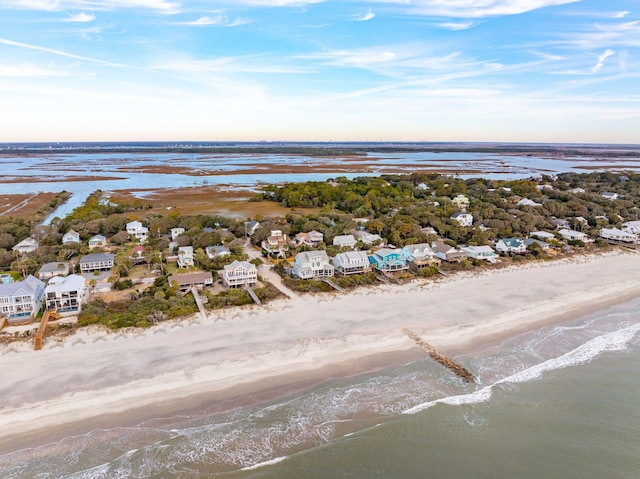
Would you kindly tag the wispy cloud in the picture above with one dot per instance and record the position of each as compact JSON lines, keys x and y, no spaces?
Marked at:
{"x":180,"y":63}
{"x":218,"y":21}
{"x":61,"y":53}
{"x":601,"y":59}
{"x":158,"y":6}
{"x":457,"y":25}
{"x":474,"y":8}
{"x":365,"y":16}
{"x":80,"y":18}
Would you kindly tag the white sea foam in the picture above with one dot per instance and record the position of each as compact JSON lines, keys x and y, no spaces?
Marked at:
{"x":265,"y":463}
{"x":614,"y":341}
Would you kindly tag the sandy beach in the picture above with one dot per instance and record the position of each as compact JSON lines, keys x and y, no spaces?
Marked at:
{"x":96,"y":378}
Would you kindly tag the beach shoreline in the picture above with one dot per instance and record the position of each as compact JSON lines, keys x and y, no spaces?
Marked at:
{"x":94,"y":379}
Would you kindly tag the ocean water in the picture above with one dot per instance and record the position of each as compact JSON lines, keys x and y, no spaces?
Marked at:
{"x":562,"y":401}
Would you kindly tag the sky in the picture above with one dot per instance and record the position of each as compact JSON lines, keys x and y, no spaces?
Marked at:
{"x":562,"y":71}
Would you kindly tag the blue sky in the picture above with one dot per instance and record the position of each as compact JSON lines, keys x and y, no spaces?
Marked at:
{"x":314,"y":70}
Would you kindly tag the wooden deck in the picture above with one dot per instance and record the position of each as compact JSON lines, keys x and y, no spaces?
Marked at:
{"x":37,"y":340}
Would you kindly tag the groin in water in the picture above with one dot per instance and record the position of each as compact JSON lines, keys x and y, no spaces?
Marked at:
{"x":442,"y":358}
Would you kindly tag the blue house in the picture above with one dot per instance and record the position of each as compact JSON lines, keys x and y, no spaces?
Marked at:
{"x":387,"y":260}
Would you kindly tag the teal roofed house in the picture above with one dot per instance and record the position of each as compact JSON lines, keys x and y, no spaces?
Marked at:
{"x":511,"y":245}
{"x":388,"y":260}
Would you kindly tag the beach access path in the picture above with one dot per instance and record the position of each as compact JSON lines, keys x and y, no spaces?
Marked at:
{"x":100,"y":374}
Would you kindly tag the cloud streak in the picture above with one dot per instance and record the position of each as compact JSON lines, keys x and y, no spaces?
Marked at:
{"x":363,"y":17}
{"x":474,"y":8}
{"x":601,"y":59}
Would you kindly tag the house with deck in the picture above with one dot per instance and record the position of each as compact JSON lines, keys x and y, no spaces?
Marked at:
{"x":185,"y":257}
{"x":615,"y":234}
{"x":65,"y":295}
{"x":276,"y":244}
{"x":71,"y":236}
{"x":420,"y":256}
{"x":480,"y":252}
{"x":573,"y":235}
{"x":352,"y":262}
{"x":97,"y":262}
{"x":192,"y":280}
{"x":511,"y":246}
{"x":97,"y":241}
{"x":312,"y":239}
{"x":448,"y":253}
{"x":21,"y":300}
{"x":49,"y":270}
{"x":27,"y":245}
{"x":387,"y":260}
{"x":631,"y":227}
{"x":239,"y":273}
{"x":312,"y":264}
{"x":137,"y":231}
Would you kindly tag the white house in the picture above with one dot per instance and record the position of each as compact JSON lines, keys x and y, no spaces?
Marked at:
{"x":137,"y":231}
{"x":352,"y":262}
{"x":631,"y":227}
{"x":528,"y":202}
{"x":618,"y":235}
{"x":175,"y":232}
{"x":27,"y":245}
{"x":529,"y":242}
{"x":543,"y":235}
{"x":216,"y":251}
{"x":240,"y":273}
{"x":561,"y":223}
{"x":71,"y":236}
{"x":185,"y":257}
{"x":97,"y":241}
{"x":49,"y":270}
{"x":312,"y":264}
{"x":251,"y":227}
{"x":313,"y":238}
{"x":65,"y":295}
{"x":577,"y":190}
{"x":464,"y":219}
{"x":511,"y":245}
{"x":445,"y":252}
{"x":368,"y":238}
{"x":420,"y":255}
{"x":607,"y":195}
{"x":96,"y":262}
{"x":572,"y":235}
{"x":480,"y":252}
{"x":21,"y":299}
{"x":344,"y":241}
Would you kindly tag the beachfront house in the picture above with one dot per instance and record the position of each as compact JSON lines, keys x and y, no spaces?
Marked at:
{"x":529,"y":242}
{"x":461,"y":201}
{"x":97,"y":241}
{"x":344,"y":241}
{"x":312,"y":239}
{"x":175,"y":232}
{"x":368,"y":238}
{"x":276,"y":244}
{"x":312,"y":264}
{"x":216,"y":251}
{"x":65,"y":295}
{"x":543,"y":235}
{"x":615,"y":234}
{"x":387,"y":260}
{"x":137,"y":231}
{"x":192,"y":280}
{"x":239,"y":273}
{"x":21,"y":300}
{"x":464,"y":219}
{"x":352,"y":262}
{"x":480,"y":252}
{"x":572,"y":235}
{"x":631,"y":227}
{"x":420,"y":256}
{"x":71,"y":236}
{"x":49,"y":270}
{"x":96,"y":262}
{"x":448,"y":253}
{"x":511,"y":246}
{"x":27,"y":245}
{"x":185,"y":257}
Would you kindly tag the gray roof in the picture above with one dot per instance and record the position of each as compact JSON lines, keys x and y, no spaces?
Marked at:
{"x":54,"y":267}
{"x":96,"y":257}
{"x":29,"y":285}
